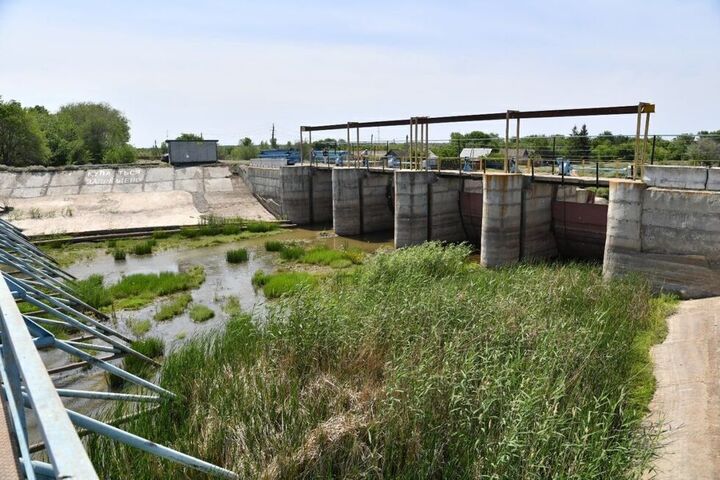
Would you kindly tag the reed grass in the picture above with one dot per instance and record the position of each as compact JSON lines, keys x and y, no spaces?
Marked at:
{"x":239,"y":255}
{"x":273,"y":246}
{"x":417,"y":364}
{"x":143,"y":248}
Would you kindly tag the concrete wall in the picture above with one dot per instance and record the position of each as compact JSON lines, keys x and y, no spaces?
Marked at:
{"x":670,"y":235}
{"x":122,"y":179}
{"x":361,"y":201}
{"x":299,"y":194}
{"x":265,"y":184}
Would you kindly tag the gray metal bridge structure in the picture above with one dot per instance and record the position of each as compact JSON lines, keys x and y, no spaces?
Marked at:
{"x":36,"y":299}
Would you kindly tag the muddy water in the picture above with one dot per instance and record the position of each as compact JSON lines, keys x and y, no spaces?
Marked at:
{"x":222,"y":280}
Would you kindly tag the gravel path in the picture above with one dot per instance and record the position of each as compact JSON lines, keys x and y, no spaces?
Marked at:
{"x":687,"y":399}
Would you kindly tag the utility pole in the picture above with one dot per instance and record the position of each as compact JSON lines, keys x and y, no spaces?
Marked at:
{"x":273,"y":142}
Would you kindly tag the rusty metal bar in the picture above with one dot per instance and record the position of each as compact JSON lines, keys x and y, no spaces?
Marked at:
{"x":569,"y":112}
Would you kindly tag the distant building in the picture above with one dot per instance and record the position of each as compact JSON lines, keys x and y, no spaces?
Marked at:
{"x":181,"y":152}
{"x":475,"y":153}
{"x":519,"y":155}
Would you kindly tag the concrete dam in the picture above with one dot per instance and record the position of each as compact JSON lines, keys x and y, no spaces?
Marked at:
{"x":666,"y":226}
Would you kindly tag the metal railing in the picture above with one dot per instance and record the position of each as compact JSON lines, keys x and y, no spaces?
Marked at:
{"x":32,"y":278}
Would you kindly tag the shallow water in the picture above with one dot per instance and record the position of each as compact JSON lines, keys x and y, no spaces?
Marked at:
{"x":222,"y":280}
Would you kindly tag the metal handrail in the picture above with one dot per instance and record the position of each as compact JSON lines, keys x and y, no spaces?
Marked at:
{"x":21,"y":360}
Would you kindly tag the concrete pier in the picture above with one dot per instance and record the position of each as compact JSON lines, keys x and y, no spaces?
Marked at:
{"x":501,"y":219}
{"x":411,"y":208}
{"x":361,"y":201}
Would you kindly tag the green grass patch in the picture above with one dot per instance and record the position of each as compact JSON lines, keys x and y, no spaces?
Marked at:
{"x":323,"y":255}
{"x":273,"y":246}
{"x":143,"y":248}
{"x":239,"y":255}
{"x":173,"y":308}
{"x":283,"y":283}
{"x":139,"y":327}
{"x":201,"y":313}
{"x":119,"y":254}
{"x":92,"y":291}
{"x":137,"y":290}
{"x":232,"y":306}
{"x":160,"y":234}
{"x":292,"y":252}
{"x":261,"y":227}
{"x":417,"y":364}
{"x":151,"y":347}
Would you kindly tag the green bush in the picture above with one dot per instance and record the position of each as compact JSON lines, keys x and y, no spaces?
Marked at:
{"x":119,"y":254}
{"x":201,"y":313}
{"x":239,"y":255}
{"x":112,"y":243}
{"x":120,"y":154}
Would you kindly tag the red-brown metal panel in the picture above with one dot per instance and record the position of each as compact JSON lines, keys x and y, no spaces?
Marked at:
{"x":471,"y":205}
{"x":580,"y":229}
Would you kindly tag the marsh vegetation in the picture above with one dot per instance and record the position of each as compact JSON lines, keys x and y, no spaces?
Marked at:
{"x":417,"y":364}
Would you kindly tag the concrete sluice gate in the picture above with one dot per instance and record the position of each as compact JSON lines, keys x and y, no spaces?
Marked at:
{"x":666,"y":227}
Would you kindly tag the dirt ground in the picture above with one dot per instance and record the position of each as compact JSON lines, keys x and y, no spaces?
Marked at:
{"x":687,"y":399}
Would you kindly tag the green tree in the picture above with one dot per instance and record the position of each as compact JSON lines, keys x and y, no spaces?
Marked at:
{"x":120,"y":154}
{"x":704,"y":150}
{"x":245,"y":150}
{"x":21,"y":140}
{"x":97,"y":125}
{"x":189,"y":137}
{"x":578,"y":144}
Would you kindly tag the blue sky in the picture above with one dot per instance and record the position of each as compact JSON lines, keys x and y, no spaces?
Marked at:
{"x":231,"y":69}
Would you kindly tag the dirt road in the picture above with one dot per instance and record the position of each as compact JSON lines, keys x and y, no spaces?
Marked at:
{"x":687,"y":399}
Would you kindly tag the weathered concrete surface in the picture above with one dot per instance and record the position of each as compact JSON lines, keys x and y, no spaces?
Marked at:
{"x":411,"y":208}
{"x":666,"y":176}
{"x":687,"y":396}
{"x":346,"y":201}
{"x":671,"y":236}
{"x":501,"y":219}
{"x":105,"y":198}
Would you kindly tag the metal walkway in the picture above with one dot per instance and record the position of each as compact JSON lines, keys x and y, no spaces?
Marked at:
{"x":37,"y":299}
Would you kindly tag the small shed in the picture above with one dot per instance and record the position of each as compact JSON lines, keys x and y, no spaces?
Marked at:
{"x":181,"y":152}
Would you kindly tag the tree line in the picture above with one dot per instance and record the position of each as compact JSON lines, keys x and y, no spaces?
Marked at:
{"x":78,"y":133}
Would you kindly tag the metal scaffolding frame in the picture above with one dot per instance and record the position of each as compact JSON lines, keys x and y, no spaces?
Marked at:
{"x":33,"y":278}
{"x":418,"y":140}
